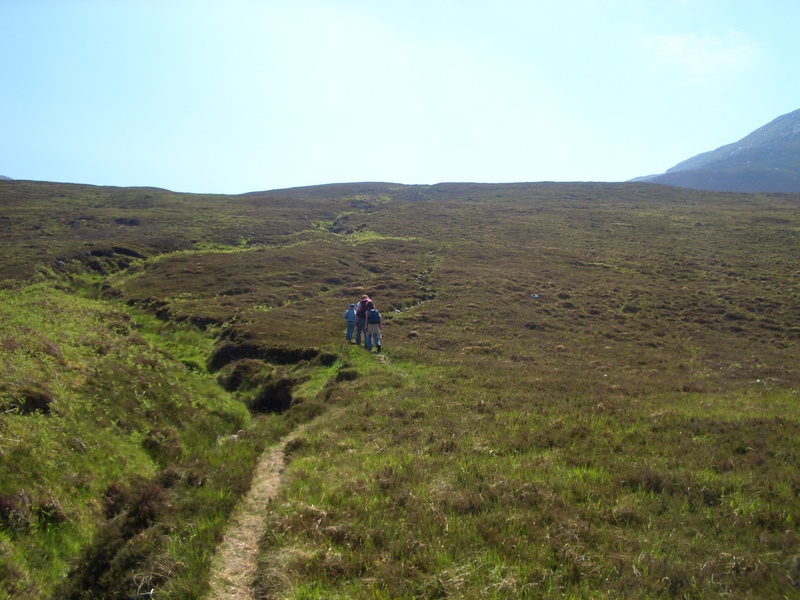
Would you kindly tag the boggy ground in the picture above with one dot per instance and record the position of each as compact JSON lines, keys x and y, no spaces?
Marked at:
{"x":587,"y":388}
{"x":600,"y":397}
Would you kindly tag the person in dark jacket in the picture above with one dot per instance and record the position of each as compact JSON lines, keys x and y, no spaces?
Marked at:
{"x":361,"y":316}
{"x":373,"y":329}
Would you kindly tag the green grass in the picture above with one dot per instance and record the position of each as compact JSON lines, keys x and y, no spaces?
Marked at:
{"x":408,"y":494}
{"x":90,"y":406}
{"x":585,"y":389}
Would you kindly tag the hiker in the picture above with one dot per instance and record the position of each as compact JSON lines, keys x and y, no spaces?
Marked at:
{"x":350,"y":317}
{"x":373,"y":330}
{"x":361,"y":316}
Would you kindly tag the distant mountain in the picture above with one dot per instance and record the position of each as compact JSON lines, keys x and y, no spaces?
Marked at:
{"x":767,"y":160}
{"x":4,"y":177}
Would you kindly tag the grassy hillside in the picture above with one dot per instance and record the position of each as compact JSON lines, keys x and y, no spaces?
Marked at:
{"x":585,"y":389}
{"x":100,"y":426}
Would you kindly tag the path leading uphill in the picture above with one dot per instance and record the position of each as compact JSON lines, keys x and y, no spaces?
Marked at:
{"x":234,"y":565}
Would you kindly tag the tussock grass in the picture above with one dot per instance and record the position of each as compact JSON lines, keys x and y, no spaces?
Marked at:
{"x":601,"y":436}
{"x":585,"y":389}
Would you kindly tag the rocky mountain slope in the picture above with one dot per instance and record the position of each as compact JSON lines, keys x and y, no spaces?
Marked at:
{"x":767,"y":160}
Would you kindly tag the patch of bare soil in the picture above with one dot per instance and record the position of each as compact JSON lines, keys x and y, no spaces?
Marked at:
{"x":234,"y":565}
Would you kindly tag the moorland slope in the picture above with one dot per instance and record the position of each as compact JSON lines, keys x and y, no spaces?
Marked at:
{"x":585,"y":389}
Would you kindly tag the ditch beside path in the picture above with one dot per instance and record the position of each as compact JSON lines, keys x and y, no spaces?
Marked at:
{"x":234,"y":566}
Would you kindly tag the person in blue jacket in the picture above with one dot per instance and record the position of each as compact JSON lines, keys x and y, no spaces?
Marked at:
{"x":350,"y":317}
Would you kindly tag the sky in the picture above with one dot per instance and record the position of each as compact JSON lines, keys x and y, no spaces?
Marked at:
{"x":238,"y":96}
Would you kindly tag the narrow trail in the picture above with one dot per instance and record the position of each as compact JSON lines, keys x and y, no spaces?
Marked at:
{"x":234,"y":564}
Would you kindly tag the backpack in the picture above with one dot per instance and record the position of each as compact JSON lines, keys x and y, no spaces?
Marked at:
{"x":362,"y":307}
{"x":373,"y":316}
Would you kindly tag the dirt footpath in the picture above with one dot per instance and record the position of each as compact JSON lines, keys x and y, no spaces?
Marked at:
{"x":234,"y":564}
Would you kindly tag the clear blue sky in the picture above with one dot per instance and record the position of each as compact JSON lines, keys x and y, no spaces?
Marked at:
{"x":236,"y":96}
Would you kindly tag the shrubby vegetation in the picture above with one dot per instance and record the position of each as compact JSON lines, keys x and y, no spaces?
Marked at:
{"x":585,"y":389}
